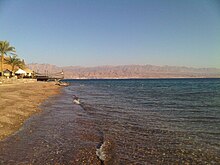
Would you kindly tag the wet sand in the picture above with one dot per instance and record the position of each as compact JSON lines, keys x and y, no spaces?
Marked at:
{"x":21,"y":100}
{"x":57,"y":135}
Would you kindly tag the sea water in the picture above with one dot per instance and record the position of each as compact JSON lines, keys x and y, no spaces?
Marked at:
{"x":155,"y":120}
{"x":149,"y":121}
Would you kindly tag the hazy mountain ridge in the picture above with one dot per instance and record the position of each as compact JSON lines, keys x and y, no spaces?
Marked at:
{"x":127,"y":71}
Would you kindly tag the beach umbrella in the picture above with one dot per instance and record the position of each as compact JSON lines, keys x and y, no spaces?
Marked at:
{"x":20,"y":71}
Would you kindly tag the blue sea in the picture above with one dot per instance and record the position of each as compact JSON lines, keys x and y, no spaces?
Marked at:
{"x":136,"y":121}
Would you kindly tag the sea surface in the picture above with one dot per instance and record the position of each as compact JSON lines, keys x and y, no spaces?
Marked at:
{"x":149,"y":121}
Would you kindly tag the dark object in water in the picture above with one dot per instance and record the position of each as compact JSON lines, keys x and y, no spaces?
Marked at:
{"x":76,"y":100}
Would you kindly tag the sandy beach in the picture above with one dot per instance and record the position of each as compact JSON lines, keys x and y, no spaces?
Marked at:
{"x":19,"y":101}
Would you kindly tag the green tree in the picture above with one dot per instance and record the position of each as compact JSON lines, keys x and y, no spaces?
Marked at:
{"x":5,"y":48}
{"x":15,"y":61}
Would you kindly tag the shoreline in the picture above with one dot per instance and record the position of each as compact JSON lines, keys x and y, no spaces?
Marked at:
{"x":19,"y":101}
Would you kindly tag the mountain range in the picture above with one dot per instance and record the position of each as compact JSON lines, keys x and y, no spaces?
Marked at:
{"x":126,"y":71}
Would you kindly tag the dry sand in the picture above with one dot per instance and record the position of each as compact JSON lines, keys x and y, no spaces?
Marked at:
{"x":19,"y":101}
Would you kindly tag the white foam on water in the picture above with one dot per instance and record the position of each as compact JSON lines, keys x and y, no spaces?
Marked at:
{"x":100,"y":152}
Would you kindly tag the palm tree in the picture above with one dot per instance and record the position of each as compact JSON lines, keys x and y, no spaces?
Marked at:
{"x":5,"y":48}
{"x":14,"y":61}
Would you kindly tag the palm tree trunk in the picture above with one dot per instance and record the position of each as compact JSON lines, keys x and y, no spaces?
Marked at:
{"x":2,"y":60}
{"x":12,"y":69}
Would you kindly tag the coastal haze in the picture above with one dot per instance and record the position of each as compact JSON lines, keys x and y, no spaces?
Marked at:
{"x":126,"y":71}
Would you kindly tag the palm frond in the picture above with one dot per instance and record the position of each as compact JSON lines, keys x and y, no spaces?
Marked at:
{"x":6,"y":49}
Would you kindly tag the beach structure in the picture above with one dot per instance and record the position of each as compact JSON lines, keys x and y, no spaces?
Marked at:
{"x":49,"y":76}
{"x":20,"y":73}
{"x":7,"y":73}
{"x":29,"y":72}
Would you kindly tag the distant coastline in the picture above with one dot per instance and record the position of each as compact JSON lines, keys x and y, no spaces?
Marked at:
{"x":127,"y":71}
{"x":180,"y":78}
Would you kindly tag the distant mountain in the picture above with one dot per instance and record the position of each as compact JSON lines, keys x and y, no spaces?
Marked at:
{"x":127,"y":71}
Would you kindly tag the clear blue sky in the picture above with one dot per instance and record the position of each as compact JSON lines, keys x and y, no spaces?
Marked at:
{"x":113,"y":32}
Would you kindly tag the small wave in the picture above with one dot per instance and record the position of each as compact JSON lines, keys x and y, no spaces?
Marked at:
{"x":105,"y":152}
{"x":100,"y":152}
{"x":87,"y":107}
